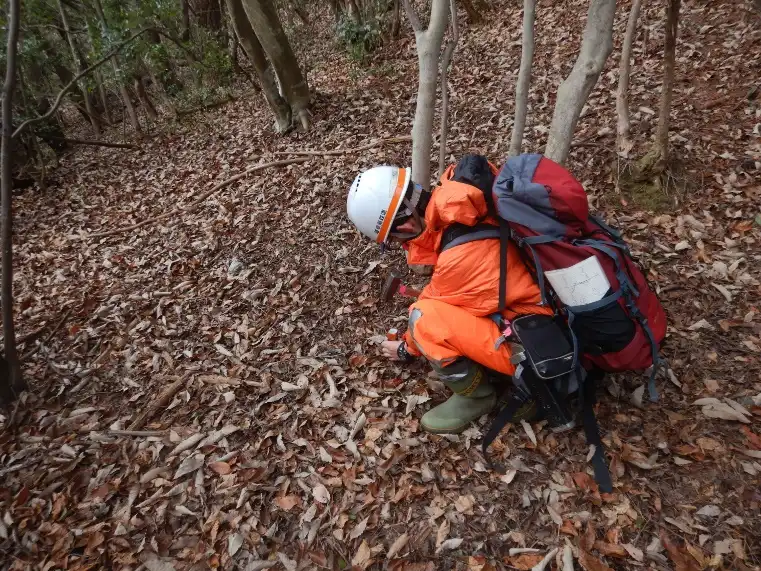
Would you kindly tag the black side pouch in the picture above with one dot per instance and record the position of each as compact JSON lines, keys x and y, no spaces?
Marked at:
{"x":546,"y":345}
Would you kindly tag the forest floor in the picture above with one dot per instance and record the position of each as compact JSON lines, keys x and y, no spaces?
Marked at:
{"x":290,"y":443}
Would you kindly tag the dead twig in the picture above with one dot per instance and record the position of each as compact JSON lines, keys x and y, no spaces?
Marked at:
{"x":211,"y":105}
{"x":94,"y":143}
{"x":193,"y":205}
{"x":337,"y":152}
{"x":248,"y":171}
{"x":57,"y":326}
{"x":162,"y":400}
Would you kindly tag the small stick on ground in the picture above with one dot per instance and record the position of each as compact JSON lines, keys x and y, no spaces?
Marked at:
{"x":337,"y":152}
{"x":193,"y":205}
{"x":57,"y":326}
{"x":94,"y":143}
{"x":163,"y":400}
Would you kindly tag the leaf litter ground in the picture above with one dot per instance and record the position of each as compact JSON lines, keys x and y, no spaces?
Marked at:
{"x":290,"y":443}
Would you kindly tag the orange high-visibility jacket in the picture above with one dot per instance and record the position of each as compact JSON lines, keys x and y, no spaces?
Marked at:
{"x":467,"y":275}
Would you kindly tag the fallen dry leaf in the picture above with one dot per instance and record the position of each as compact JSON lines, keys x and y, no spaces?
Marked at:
{"x":591,"y":563}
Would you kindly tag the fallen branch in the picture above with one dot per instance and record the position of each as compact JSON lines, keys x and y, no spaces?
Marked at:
{"x":337,"y":152}
{"x":94,"y":143}
{"x":163,"y":400}
{"x":200,"y":199}
{"x":136,"y":432}
{"x":248,"y":171}
{"x":183,"y":112}
{"x":57,"y":326}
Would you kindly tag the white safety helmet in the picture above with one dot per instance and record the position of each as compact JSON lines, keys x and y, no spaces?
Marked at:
{"x":375,"y":198}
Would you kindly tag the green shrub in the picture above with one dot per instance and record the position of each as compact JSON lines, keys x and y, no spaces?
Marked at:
{"x":359,"y":39}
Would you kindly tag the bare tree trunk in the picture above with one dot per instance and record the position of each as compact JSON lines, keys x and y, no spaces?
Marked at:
{"x":474,"y":16}
{"x":335,"y":7}
{"x":448,"y":52}
{"x":396,"y":20}
{"x":264,"y":20}
{"x":13,"y":382}
{"x":115,"y":65}
{"x":596,"y":45}
{"x":524,"y":77}
{"x":622,"y":95}
{"x":103,"y":97}
{"x":80,"y":67}
{"x":145,"y":100}
{"x":660,"y":148}
{"x":255,"y":53}
{"x":428,"y":43}
{"x":301,"y":12}
{"x":353,"y":10}
{"x":185,"y":8}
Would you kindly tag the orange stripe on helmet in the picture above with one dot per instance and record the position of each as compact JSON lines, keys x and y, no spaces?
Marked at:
{"x":393,"y":207}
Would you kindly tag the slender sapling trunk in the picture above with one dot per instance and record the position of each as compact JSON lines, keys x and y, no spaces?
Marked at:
{"x":524,"y":77}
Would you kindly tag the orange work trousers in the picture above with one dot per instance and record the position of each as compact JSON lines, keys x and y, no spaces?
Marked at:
{"x":443,"y":333}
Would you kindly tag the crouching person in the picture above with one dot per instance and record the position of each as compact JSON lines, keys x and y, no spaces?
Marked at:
{"x":454,"y":322}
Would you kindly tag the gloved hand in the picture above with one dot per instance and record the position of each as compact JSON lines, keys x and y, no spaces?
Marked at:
{"x":389,"y":349}
{"x":396,"y":351}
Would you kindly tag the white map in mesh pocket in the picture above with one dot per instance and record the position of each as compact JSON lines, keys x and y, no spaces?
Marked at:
{"x":580,"y":284}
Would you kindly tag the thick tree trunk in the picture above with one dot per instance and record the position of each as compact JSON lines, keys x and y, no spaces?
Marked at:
{"x":448,"y":52}
{"x":255,"y":53}
{"x":622,"y":95}
{"x":115,"y":65}
{"x":264,"y":20}
{"x":596,"y":45}
{"x":524,"y":77}
{"x":11,"y":380}
{"x":428,"y":43}
{"x":80,"y":66}
{"x":660,"y":148}
{"x":145,"y":100}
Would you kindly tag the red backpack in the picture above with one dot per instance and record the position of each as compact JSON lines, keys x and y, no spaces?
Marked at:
{"x":583,"y":268}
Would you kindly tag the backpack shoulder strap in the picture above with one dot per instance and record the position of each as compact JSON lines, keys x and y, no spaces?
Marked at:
{"x":457,"y":234}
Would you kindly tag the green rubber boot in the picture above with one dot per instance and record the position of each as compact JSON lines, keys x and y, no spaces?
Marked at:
{"x":473,"y":397}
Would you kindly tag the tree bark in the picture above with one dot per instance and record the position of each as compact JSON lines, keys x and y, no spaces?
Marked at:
{"x":428,"y":43}
{"x":103,"y":98}
{"x":353,"y":10}
{"x":524,"y":77}
{"x":596,"y":45}
{"x":266,"y":25}
{"x":622,"y":95}
{"x":661,"y":143}
{"x":448,"y":53}
{"x":395,"y":20}
{"x":300,"y":12}
{"x":185,"y":8}
{"x":117,"y":72}
{"x":474,"y":16}
{"x":12,"y":382}
{"x":255,"y":53}
{"x":145,"y":100}
{"x":80,"y":66}
{"x":335,"y":7}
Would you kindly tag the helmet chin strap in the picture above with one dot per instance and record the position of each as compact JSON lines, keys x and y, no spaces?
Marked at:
{"x":416,"y":215}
